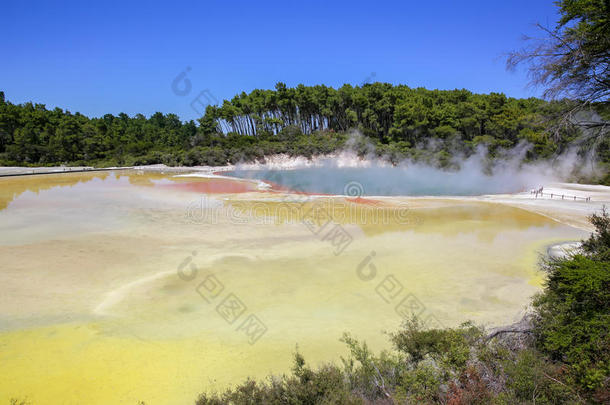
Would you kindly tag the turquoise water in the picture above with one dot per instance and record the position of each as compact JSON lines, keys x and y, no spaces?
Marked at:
{"x":387,"y":181}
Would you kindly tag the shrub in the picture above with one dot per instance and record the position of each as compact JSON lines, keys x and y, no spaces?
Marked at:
{"x":573,"y":312}
{"x":449,"y":347}
{"x":532,"y":378}
{"x":303,"y":386}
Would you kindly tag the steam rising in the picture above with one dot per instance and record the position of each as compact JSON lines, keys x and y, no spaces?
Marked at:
{"x":476,"y":174}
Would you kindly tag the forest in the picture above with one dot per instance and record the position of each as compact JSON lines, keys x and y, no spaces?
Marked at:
{"x":397,"y":121}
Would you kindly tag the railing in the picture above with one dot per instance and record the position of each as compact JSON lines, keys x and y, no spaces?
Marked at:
{"x":559,"y":196}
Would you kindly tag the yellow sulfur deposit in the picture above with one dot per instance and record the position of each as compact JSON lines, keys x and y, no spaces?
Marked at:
{"x":124,"y":287}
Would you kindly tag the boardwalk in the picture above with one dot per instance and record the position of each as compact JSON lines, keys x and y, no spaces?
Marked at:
{"x":541,"y":194}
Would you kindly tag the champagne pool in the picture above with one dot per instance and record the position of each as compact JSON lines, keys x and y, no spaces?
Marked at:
{"x":392,"y":181}
{"x":128,"y":286}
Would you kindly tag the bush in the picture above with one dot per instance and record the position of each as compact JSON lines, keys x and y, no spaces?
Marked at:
{"x":573,"y":312}
{"x":532,"y":378}
{"x":303,"y":386}
{"x":448,"y":347}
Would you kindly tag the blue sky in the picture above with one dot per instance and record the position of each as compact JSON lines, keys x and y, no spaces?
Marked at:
{"x":110,"y":57}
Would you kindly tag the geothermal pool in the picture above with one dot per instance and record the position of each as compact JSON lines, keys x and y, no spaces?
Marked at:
{"x":415,"y":180}
{"x":128,"y":286}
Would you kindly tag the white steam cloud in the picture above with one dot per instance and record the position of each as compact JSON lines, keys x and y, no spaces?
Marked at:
{"x":476,"y":174}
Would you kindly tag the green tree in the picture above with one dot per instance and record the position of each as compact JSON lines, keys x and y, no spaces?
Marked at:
{"x":573,"y":59}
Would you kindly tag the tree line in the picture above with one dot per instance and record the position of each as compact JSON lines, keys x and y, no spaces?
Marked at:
{"x":398,"y":121}
{"x":380,"y":110}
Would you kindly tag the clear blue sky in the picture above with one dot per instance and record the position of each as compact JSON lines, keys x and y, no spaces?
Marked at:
{"x":110,"y":57}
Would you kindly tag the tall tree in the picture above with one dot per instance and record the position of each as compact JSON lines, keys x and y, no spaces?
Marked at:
{"x":573,"y":58}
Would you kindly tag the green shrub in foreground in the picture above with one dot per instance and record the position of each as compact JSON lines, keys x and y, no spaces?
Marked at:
{"x":573,"y":312}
